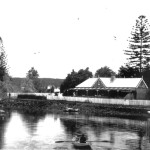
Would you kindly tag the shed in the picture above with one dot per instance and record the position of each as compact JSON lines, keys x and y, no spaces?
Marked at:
{"x":112,"y":87}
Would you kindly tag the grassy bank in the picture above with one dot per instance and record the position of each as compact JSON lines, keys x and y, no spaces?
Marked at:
{"x":58,"y":106}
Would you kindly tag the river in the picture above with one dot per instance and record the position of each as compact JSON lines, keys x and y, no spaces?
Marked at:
{"x":25,"y":131}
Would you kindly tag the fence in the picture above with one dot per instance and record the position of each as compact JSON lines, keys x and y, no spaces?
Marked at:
{"x":110,"y":101}
{"x":92,"y":100}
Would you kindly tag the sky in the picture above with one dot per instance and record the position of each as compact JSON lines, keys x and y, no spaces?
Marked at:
{"x":57,"y":36}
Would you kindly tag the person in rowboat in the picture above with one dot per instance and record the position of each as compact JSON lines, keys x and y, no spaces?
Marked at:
{"x":83,"y":139}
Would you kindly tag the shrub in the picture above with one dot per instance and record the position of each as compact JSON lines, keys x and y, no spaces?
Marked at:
{"x":31,"y":96}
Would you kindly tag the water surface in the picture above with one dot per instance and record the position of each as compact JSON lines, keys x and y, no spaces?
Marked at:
{"x":25,"y":131}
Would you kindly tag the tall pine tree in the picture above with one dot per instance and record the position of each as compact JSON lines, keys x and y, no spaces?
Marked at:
{"x":139,"y":45}
{"x":5,"y":80}
{"x":3,"y":63}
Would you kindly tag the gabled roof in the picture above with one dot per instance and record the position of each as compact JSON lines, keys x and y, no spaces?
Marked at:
{"x":122,"y":82}
{"x":114,"y":83}
{"x":87,"y":83}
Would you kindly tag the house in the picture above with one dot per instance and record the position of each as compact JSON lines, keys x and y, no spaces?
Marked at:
{"x":128,"y":88}
{"x":56,"y":91}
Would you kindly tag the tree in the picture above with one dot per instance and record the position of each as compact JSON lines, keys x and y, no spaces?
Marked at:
{"x":139,"y":44}
{"x":69,"y":82}
{"x":5,"y":80}
{"x":27,"y":86}
{"x":75,"y":78}
{"x":3,"y":64}
{"x":104,"y":72}
{"x":32,"y":74}
{"x":128,"y":72}
{"x":83,"y":75}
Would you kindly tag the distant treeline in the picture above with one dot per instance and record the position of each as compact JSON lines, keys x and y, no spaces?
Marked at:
{"x":16,"y":82}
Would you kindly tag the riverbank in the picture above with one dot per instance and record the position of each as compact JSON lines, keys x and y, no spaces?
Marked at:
{"x":86,"y":108}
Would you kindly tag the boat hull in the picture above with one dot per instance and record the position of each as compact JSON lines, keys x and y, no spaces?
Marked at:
{"x":82,"y":145}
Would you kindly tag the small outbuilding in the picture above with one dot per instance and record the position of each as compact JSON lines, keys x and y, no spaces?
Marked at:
{"x":56,"y":91}
{"x":127,"y":88}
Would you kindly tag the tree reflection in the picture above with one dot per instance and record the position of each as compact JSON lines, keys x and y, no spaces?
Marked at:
{"x":31,"y":119}
{"x":70,"y":125}
{"x":2,"y":131}
{"x":3,"y":122}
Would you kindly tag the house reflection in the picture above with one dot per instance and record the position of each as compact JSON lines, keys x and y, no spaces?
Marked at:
{"x":109,"y":129}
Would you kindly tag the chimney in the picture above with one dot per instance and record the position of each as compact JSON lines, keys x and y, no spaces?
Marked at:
{"x":112,"y":78}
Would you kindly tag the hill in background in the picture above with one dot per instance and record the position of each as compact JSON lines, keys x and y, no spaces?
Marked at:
{"x":45,"y":82}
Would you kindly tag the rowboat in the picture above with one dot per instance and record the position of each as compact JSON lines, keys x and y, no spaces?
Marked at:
{"x":79,"y":145}
{"x":71,"y":109}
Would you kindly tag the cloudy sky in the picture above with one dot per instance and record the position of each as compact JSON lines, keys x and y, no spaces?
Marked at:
{"x":56,"y":36}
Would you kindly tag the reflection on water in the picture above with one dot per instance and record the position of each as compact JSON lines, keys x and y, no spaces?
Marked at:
{"x":25,"y":131}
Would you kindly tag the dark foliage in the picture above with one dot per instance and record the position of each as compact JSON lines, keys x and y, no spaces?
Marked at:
{"x":75,"y":78}
{"x":128,"y":72}
{"x":104,"y":72}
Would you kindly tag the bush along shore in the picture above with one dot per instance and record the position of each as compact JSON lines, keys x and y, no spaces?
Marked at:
{"x":86,"y":108}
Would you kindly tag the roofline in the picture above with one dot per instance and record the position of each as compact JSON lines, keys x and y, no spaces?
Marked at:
{"x":99,"y":78}
{"x":107,"y":88}
{"x":140,"y":82}
{"x":100,"y":81}
{"x":95,"y":82}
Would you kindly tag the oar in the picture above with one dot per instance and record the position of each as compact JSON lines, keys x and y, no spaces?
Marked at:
{"x":101,"y":141}
{"x":87,"y":141}
{"x":62,"y":141}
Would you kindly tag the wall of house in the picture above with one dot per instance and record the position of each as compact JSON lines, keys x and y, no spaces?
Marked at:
{"x":142,"y":94}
